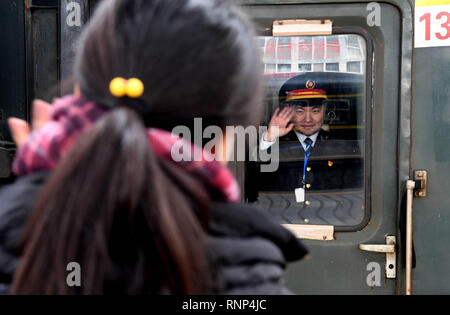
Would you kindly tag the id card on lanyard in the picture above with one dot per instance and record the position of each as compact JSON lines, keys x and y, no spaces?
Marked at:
{"x":300,"y":192}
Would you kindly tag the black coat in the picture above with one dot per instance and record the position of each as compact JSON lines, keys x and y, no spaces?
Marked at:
{"x":248,"y":250}
{"x":332,"y":164}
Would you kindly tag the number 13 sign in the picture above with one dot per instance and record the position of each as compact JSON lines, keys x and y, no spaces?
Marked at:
{"x":432,"y":23}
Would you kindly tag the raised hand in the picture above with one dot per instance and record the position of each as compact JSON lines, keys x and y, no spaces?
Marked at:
{"x":20,"y":129}
{"x":279,"y":124}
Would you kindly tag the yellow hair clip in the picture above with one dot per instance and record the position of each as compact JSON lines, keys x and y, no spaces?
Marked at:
{"x":119,"y":87}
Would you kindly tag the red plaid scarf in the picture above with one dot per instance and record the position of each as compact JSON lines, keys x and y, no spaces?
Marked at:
{"x":71,"y":116}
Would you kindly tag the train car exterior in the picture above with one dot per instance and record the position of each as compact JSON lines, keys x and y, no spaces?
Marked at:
{"x":397,"y":53}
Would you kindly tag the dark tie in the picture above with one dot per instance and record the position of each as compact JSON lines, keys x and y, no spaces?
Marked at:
{"x":308,"y":143}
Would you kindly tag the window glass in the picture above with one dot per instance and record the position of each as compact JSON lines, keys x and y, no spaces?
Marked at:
{"x":269,"y":50}
{"x":318,"y":47}
{"x":332,"y":66}
{"x":322,"y":79}
{"x":303,"y":67}
{"x":270,"y":68}
{"x":261,"y":42}
{"x":284,"y":67}
{"x":333,"y":47}
{"x":304,"y":45}
{"x":284,"y":48}
{"x":353,"y":47}
{"x":354,"y":66}
{"x":318,"y":67}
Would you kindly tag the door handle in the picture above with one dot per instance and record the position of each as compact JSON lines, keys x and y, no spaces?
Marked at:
{"x":410,"y":185}
{"x":389,"y":250}
{"x":377,"y":248}
{"x":420,"y":179}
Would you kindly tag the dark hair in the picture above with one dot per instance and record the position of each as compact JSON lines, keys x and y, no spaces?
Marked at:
{"x":197,"y":58}
{"x":134,"y":222}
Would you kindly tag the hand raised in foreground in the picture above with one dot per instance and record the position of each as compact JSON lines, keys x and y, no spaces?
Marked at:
{"x":21,"y":129}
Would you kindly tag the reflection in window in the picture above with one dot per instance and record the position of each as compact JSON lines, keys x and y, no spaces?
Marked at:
{"x":261,"y":45}
{"x":261,"y":42}
{"x":352,"y":41}
{"x":332,"y":66}
{"x":333,"y":47}
{"x":319,"y":48}
{"x":304,"y":67}
{"x":313,"y":53}
{"x":284,"y":48}
{"x":304,"y":48}
{"x":318,"y":67}
{"x":325,"y":74}
{"x":270,"y":68}
{"x":284,"y":68}
{"x":353,"y":47}
{"x":354,"y":66}
{"x":269,"y":52}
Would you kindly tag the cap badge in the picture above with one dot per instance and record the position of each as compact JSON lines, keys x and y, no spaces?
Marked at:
{"x":310,"y":84}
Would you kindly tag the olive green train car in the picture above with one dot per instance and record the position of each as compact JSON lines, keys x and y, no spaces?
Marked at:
{"x":385,"y":66}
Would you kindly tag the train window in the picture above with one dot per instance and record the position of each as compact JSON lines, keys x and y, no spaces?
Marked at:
{"x":323,"y":79}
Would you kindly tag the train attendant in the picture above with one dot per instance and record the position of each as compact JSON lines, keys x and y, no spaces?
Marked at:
{"x":305,"y":147}
{"x":302,"y":116}
{"x":97,"y":187}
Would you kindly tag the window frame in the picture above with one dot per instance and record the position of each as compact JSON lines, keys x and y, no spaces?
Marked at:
{"x":368,"y":100}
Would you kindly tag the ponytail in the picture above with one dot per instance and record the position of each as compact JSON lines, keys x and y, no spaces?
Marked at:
{"x":133,"y":222}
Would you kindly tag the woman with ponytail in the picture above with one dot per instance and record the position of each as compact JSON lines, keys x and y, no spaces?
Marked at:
{"x":97,"y":185}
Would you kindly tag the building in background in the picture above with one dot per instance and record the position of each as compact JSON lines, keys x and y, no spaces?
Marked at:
{"x":337,"y":53}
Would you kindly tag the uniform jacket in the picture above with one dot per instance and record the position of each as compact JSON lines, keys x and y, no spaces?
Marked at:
{"x":248,"y":251}
{"x":332,"y":164}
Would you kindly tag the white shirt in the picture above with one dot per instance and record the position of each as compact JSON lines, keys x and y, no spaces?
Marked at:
{"x":264,"y":145}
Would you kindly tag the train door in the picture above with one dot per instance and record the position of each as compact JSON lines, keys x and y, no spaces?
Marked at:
{"x":28,"y":65}
{"x":431,"y":150}
{"x":12,"y":75}
{"x":362,"y":71}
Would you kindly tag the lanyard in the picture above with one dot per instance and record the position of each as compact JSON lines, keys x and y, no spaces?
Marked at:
{"x":307,"y":154}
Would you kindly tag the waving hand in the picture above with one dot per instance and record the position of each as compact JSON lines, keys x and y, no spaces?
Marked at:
{"x":279,"y":124}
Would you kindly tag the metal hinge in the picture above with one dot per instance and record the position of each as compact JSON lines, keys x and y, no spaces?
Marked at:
{"x":421,"y":183}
